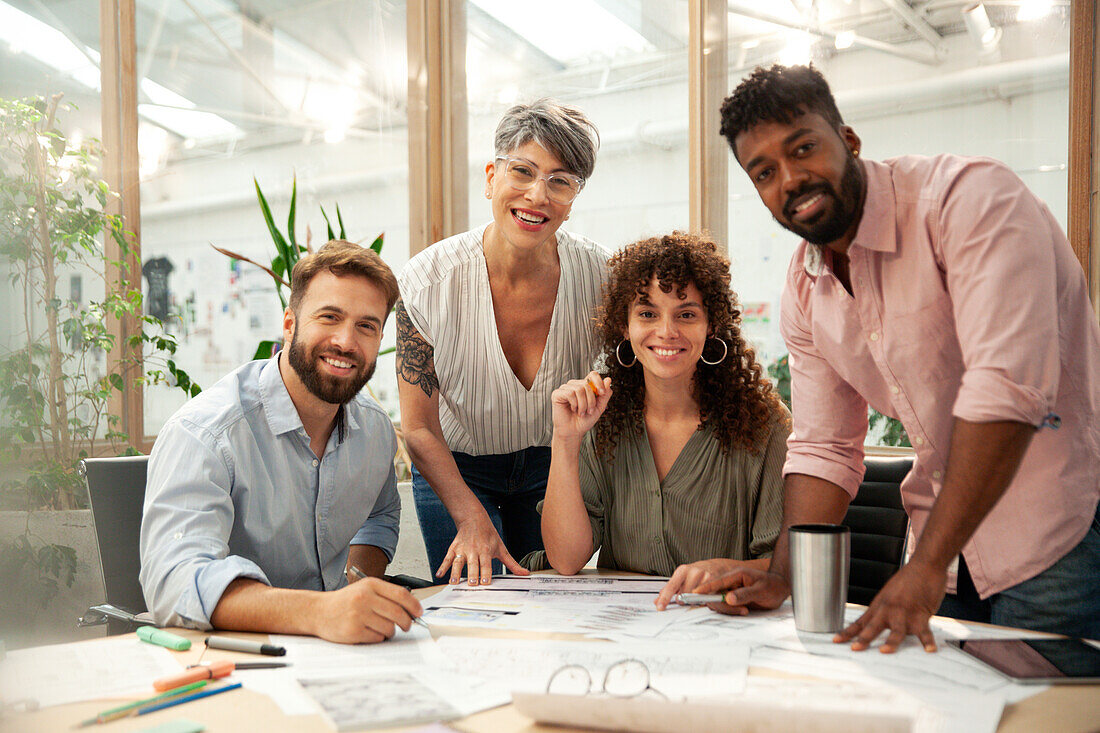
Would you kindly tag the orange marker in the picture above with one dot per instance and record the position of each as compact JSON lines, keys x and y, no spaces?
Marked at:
{"x":194,"y":674}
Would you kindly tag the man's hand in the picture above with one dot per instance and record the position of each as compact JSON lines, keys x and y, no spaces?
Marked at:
{"x":687,"y":578}
{"x":475,"y":545}
{"x":747,"y":588}
{"x":367,"y":611}
{"x":903,"y":606}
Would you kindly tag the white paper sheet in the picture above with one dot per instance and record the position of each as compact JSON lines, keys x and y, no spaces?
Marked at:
{"x":676,"y":670}
{"x":311,"y":657}
{"x":576,"y":610}
{"x":64,"y":673}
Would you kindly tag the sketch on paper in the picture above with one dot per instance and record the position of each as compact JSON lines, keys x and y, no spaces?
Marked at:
{"x":355,"y":703}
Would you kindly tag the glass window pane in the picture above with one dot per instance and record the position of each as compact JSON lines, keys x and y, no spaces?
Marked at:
{"x":1006,"y":98}
{"x":625,"y":64}
{"x":49,"y":61}
{"x":278,"y":92}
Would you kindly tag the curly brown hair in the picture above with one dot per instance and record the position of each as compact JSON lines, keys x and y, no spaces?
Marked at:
{"x":739,"y":403}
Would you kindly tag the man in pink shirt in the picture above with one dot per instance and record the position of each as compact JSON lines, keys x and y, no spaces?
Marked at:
{"x":942,"y":292}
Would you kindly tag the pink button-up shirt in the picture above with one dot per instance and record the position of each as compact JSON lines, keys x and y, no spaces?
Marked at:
{"x":967,"y":303}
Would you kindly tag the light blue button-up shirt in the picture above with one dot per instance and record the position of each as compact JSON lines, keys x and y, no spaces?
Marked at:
{"x":234,"y":491}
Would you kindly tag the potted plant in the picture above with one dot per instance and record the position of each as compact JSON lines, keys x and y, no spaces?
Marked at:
{"x":55,"y":379}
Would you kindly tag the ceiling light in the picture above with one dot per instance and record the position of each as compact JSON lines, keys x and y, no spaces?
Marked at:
{"x":979,"y":27}
{"x":1033,"y":10}
{"x":844,"y":40}
{"x":335,"y":135}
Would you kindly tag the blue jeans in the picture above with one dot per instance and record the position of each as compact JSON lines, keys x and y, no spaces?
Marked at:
{"x":1063,"y":599}
{"x":508,"y":485}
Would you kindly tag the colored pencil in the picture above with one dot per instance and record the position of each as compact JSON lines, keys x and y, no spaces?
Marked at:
{"x":188,"y":698}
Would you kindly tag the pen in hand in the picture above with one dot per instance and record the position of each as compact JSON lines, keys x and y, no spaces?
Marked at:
{"x":360,"y":575}
{"x":697,"y":599}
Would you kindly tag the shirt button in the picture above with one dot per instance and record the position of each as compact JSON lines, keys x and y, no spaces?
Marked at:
{"x":178,"y":536}
{"x":918,"y":440}
{"x":937,"y":474}
{"x":894,"y":388}
{"x":874,"y":336}
{"x":315,"y":462}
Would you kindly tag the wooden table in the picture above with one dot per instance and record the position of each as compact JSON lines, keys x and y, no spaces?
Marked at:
{"x":1063,"y":708}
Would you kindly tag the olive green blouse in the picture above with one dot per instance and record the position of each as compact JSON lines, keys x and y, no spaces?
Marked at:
{"x":710,"y":504}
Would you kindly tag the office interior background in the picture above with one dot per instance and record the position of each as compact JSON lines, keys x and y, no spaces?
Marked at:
{"x":319,"y":92}
{"x":387,"y":109}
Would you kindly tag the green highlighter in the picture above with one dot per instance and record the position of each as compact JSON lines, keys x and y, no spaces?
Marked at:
{"x":160,"y":637}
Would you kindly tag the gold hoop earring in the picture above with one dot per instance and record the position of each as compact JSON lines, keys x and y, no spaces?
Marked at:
{"x":725,"y":351}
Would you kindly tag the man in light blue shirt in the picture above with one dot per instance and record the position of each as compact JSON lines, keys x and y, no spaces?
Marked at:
{"x":258,"y":486}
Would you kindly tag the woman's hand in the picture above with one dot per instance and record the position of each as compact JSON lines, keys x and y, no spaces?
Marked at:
{"x":687,"y":578}
{"x":578,"y":404}
{"x":475,"y":545}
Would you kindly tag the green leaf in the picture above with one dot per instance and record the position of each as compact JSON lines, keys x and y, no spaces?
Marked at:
{"x":116,"y":381}
{"x":376,"y":245}
{"x":293,"y":206}
{"x":276,"y":236}
{"x":264,"y":350}
{"x":340,"y":220}
{"x":331,"y":234}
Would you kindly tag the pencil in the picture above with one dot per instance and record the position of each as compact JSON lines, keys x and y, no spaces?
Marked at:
{"x":128,"y":709}
{"x":187,"y":698}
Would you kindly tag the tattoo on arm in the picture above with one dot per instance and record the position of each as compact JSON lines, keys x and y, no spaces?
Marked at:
{"x":415,"y":356}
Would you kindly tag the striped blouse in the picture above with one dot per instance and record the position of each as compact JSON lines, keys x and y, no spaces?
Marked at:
{"x":483,"y":407}
{"x":710,"y":504}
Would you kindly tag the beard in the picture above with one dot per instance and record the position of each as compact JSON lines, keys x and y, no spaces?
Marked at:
{"x":334,"y":390}
{"x":833,"y":224}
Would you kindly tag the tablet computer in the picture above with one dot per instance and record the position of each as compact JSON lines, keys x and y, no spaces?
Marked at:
{"x":1034,"y":661}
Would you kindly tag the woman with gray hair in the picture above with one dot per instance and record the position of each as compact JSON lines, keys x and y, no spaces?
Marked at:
{"x":489,"y":323}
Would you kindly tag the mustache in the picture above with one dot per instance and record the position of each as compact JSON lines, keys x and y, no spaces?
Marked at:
{"x":788,"y":208}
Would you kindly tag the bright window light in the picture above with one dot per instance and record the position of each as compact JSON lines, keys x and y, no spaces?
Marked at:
{"x":1033,"y":10}
{"x":798,"y":48}
{"x":567,"y":30}
{"x":844,"y":40}
{"x":48,"y":45}
{"x":187,"y":123}
{"x":26,"y":34}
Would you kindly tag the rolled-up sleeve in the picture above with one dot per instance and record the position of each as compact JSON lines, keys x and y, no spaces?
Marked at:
{"x":384,"y":522}
{"x":829,"y":420}
{"x":185,"y":528}
{"x":996,"y":246}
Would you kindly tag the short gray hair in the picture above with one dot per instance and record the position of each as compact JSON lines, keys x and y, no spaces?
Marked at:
{"x":562,"y":129}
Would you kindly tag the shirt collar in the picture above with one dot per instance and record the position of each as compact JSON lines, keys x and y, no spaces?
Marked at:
{"x":282,"y":415}
{"x":876,"y":226}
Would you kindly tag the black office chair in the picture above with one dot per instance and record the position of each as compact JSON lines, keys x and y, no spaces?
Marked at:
{"x":879,"y":527}
{"x":116,"y":489}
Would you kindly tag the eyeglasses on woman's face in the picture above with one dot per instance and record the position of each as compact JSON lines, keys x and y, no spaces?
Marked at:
{"x":522,"y":175}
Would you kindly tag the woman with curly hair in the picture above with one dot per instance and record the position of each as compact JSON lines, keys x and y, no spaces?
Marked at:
{"x":674,"y":456}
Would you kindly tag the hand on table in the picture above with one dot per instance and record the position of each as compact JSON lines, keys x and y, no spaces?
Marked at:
{"x":687,"y":578}
{"x":475,"y":545}
{"x":746,"y":588}
{"x":578,"y":404}
{"x":903,"y":606}
{"x":366,"y":611}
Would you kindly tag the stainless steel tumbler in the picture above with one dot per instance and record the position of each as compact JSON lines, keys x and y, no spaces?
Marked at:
{"x":819,"y":575}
